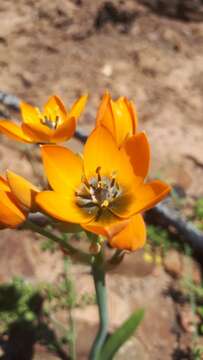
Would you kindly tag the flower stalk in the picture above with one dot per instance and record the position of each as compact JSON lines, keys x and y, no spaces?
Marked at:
{"x":98,"y":273}
{"x":66,"y":247}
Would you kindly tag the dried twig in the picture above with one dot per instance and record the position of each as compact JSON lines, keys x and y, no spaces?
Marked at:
{"x":164,"y":216}
{"x":9,"y":100}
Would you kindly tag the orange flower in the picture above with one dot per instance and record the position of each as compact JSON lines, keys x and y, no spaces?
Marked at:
{"x":17,"y":197}
{"x":11,"y":213}
{"x":105,"y":188}
{"x":119,"y":117}
{"x":53,"y":125}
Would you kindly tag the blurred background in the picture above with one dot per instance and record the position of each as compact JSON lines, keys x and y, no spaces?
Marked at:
{"x":152,"y":52}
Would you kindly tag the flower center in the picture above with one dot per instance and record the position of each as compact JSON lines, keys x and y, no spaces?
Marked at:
{"x":50,"y":123}
{"x":98,"y":193}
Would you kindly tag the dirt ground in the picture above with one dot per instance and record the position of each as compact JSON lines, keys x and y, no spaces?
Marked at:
{"x":72,"y":47}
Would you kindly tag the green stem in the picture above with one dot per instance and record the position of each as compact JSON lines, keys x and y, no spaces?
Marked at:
{"x":101,"y":296}
{"x":69,"y":248}
{"x":72,"y":348}
{"x":70,"y":289}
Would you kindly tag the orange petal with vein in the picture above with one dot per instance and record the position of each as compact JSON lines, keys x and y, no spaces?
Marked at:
{"x":39,"y":132}
{"x":63,"y":168}
{"x":148,"y":195}
{"x":14,"y":131}
{"x":122,"y":120}
{"x":23,"y":190}
{"x":30,"y":114}
{"x":10,"y":214}
{"x":132,"y":237}
{"x":102,"y":151}
{"x":64,"y":131}
{"x":137,"y":149}
{"x":78,"y":107}
{"x":4,"y":184}
{"x":105,"y":114}
{"x":62,"y":207}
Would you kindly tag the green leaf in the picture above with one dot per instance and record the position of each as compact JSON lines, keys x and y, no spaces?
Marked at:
{"x":121,"y":335}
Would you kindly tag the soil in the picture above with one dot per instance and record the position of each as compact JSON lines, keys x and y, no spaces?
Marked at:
{"x":72,"y":47}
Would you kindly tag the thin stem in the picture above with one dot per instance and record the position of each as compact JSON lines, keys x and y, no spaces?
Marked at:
{"x":61,"y":242}
{"x":100,"y":287}
{"x":72,"y":348}
{"x":70,"y":289}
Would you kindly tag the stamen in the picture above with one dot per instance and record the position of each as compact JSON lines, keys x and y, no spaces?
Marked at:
{"x":97,"y":193}
{"x":83,"y":196}
{"x":47,"y":121}
{"x":85,"y":183}
{"x":91,"y":190}
{"x":115,"y":194}
{"x":113,"y":181}
{"x":98,"y":173}
{"x":56,"y":121}
{"x":43,"y":121}
{"x":94,"y":199}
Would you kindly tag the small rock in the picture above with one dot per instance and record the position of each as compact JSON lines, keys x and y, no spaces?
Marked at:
{"x":191,"y":269}
{"x":182,"y":266}
{"x":173,"y":39}
{"x":172,"y":263}
{"x":188,"y":319}
{"x":135,"y":350}
{"x":107,"y":70}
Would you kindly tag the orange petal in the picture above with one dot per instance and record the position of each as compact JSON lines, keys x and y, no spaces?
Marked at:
{"x":15,"y":132}
{"x":63,"y":168}
{"x":105,"y":115}
{"x":141,"y":199}
{"x":4,"y":185}
{"x":23,"y":190}
{"x":138,"y":150}
{"x":94,"y":228}
{"x":64,"y":131}
{"x":123,"y":206}
{"x":101,"y":151}
{"x":55,"y":108}
{"x":107,"y":231}
{"x":78,"y":107}
{"x":148,"y":195}
{"x":55,"y":103}
{"x":131,"y":237}
{"x":133,"y":112}
{"x":122,"y":120}
{"x":38,"y":132}
{"x":62,"y":207}
{"x":30,"y":114}
{"x":10,"y":214}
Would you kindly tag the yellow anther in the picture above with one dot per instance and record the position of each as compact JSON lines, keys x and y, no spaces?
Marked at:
{"x":105,"y":203}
